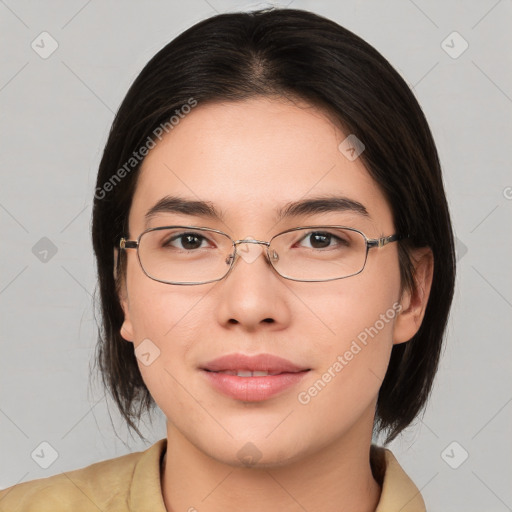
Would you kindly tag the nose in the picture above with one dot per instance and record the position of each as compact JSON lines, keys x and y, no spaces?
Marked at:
{"x":253,"y":294}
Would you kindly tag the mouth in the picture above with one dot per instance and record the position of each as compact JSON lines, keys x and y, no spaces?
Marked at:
{"x":252,"y":365}
{"x":249,"y":373}
{"x":252,"y":378}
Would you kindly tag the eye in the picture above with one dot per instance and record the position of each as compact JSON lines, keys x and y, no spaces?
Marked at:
{"x":323,"y":239}
{"x":187,"y":241}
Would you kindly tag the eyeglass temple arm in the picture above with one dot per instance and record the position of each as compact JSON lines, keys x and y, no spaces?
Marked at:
{"x":128,"y":244}
{"x":381,"y":242}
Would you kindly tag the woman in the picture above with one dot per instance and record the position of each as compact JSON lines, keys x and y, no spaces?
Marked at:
{"x":276,"y":266}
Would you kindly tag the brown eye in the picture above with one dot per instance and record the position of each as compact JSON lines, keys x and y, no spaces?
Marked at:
{"x":187,"y":241}
{"x":324,"y":239}
{"x":320,"y":240}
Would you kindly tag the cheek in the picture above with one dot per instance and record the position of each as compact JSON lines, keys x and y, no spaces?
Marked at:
{"x":358,"y":316}
{"x":164,"y":319}
{"x":349,"y":308}
{"x":157,"y":309}
{"x":360,"y":330}
{"x":353,"y":362}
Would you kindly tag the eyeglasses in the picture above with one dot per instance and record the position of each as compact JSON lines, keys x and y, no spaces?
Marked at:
{"x":189,"y":255}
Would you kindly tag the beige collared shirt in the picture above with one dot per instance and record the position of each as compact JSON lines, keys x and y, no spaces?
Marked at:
{"x":131,"y":483}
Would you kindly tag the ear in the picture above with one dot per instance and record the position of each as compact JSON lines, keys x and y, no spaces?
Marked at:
{"x":414,"y":302}
{"x":126,"y":330}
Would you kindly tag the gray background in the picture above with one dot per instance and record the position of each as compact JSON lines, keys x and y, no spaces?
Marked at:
{"x":56,"y":114}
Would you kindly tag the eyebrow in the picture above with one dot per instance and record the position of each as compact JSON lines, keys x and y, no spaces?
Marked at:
{"x":321,"y":205}
{"x":206,"y":209}
{"x":174,"y":204}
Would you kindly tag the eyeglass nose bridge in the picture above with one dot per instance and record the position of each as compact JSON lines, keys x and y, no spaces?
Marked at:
{"x":274,"y":257}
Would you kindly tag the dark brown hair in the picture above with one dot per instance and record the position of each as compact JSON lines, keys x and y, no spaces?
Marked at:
{"x":299,"y":54}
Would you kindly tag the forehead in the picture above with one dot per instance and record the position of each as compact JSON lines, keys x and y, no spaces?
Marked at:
{"x":250,"y":159}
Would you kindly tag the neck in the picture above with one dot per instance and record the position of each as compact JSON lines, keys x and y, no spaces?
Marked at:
{"x":336,"y":479}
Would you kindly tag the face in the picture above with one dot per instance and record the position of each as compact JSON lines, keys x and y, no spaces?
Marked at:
{"x":250,"y":159}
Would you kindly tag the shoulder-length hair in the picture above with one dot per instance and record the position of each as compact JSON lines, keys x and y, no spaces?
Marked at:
{"x":288,"y":53}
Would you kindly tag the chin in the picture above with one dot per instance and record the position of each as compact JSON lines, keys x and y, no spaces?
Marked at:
{"x":255,"y":452}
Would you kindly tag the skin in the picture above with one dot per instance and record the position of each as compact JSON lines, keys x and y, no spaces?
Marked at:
{"x":248,"y":158}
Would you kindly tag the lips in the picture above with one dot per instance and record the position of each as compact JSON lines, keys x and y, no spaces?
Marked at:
{"x":248,"y":373}
{"x":240,"y":363}
{"x":252,"y":378}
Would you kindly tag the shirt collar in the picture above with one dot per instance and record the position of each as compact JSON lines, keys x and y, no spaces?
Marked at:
{"x":399,"y":493}
{"x":146,"y":490}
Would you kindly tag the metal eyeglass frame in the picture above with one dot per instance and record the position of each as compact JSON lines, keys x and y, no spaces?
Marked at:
{"x":230,"y":260}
